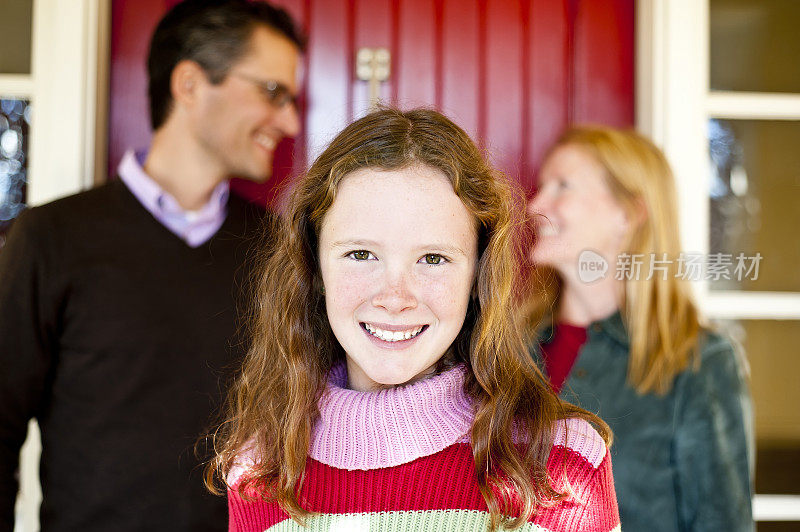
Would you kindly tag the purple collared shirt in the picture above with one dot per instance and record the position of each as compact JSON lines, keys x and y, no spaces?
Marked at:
{"x":193,"y":227}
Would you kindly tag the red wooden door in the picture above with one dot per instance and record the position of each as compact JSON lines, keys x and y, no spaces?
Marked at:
{"x":513,"y":73}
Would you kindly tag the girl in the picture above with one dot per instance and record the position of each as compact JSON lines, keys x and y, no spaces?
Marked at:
{"x":388,"y":386}
{"x":623,"y":338}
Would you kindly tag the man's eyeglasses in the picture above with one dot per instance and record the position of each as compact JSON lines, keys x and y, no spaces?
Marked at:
{"x":276,"y":93}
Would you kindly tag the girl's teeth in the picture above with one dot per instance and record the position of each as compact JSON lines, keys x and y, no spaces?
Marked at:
{"x":392,"y":336}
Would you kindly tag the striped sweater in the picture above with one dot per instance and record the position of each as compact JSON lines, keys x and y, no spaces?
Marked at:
{"x":400,"y":459}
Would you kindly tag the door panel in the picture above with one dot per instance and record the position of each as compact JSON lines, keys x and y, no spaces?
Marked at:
{"x":415,"y":52}
{"x":603,"y":62}
{"x":547,"y":81}
{"x":512,"y":73}
{"x":329,"y":79}
{"x":371,"y":28}
{"x":459,"y":64}
{"x":502,"y":106}
{"x":132,"y":23}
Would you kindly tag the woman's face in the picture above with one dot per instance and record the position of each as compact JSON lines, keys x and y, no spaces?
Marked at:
{"x":574,"y":210}
{"x":398,"y":252}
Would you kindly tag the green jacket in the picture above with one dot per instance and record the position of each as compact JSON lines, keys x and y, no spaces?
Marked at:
{"x":681,"y":461}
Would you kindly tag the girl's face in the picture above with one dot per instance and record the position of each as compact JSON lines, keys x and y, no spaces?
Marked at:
{"x":398,"y":252}
{"x":574,"y":210}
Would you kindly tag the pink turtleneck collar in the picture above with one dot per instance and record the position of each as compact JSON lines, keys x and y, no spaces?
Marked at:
{"x":370,"y":430}
{"x":387,"y":428}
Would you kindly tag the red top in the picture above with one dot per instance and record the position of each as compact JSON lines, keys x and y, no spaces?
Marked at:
{"x":561,"y":353}
{"x":438,"y":492}
{"x":401,"y":459}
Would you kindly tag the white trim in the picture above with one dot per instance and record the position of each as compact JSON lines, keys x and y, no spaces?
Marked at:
{"x":29,"y":497}
{"x":754,"y":105}
{"x":649,"y":69}
{"x":98,"y":54}
{"x":672,"y":83}
{"x":64,"y":72}
{"x":740,"y":305}
{"x":776,"y":508}
{"x":16,"y":86}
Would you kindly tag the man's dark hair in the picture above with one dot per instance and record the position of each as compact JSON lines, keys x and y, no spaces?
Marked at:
{"x":214,"y":34}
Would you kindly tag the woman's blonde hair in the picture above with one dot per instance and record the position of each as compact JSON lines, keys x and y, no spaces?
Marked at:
{"x":662,"y":320}
{"x":273,"y":405}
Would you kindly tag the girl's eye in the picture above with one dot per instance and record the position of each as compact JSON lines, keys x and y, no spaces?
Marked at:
{"x":432,"y":258}
{"x":360,"y":254}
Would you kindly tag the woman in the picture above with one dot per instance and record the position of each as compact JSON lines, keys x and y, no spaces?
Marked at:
{"x":622,"y":337}
{"x":388,"y":386}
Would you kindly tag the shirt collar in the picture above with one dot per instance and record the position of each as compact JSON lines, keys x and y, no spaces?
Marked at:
{"x":160,"y":202}
{"x":613,"y":326}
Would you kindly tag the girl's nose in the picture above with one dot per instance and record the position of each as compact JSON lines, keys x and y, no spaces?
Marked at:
{"x":395,"y":294}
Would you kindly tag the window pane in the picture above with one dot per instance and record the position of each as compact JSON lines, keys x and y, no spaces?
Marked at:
{"x":754,"y":45}
{"x":755,"y":204}
{"x":15,"y":36}
{"x":771,"y":351}
{"x":14,"y":120}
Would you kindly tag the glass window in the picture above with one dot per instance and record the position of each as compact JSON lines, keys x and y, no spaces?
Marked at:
{"x":15,"y":36}
{"x":771,"y":347}
{"x":14,"y":121}
{"x":754,"y":45}
{"x":755,"y":205}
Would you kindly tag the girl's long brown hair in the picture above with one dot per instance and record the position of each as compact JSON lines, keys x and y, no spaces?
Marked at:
{"x":273,"y":405}
{"x":660,"y":315}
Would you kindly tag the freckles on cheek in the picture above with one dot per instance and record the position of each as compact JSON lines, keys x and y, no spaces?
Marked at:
{"x":346,"y":296}
{"x":446,"y":292}
{"x":348,"y":289}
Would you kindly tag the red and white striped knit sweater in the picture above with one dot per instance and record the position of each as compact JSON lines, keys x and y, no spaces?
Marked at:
{"x":400,"y":459}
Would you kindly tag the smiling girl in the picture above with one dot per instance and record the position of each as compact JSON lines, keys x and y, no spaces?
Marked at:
{"x":388,"y":386}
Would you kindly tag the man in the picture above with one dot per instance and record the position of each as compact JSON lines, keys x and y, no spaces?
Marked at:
{"x":119,"y":306}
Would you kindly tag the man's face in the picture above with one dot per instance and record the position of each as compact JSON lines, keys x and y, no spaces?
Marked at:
{"x":236,"y":123}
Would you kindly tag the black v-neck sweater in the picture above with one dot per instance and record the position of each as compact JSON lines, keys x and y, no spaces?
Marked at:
{"x":120,"y":340}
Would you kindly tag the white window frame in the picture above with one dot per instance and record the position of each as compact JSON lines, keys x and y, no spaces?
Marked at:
{"x":68,"y":92}
{"x":673,"y":106}
{"x":67,"y":88}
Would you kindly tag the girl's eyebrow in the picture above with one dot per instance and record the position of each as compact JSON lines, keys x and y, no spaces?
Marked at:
{"x":354,"y":242}
{"x":445,"y":249}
